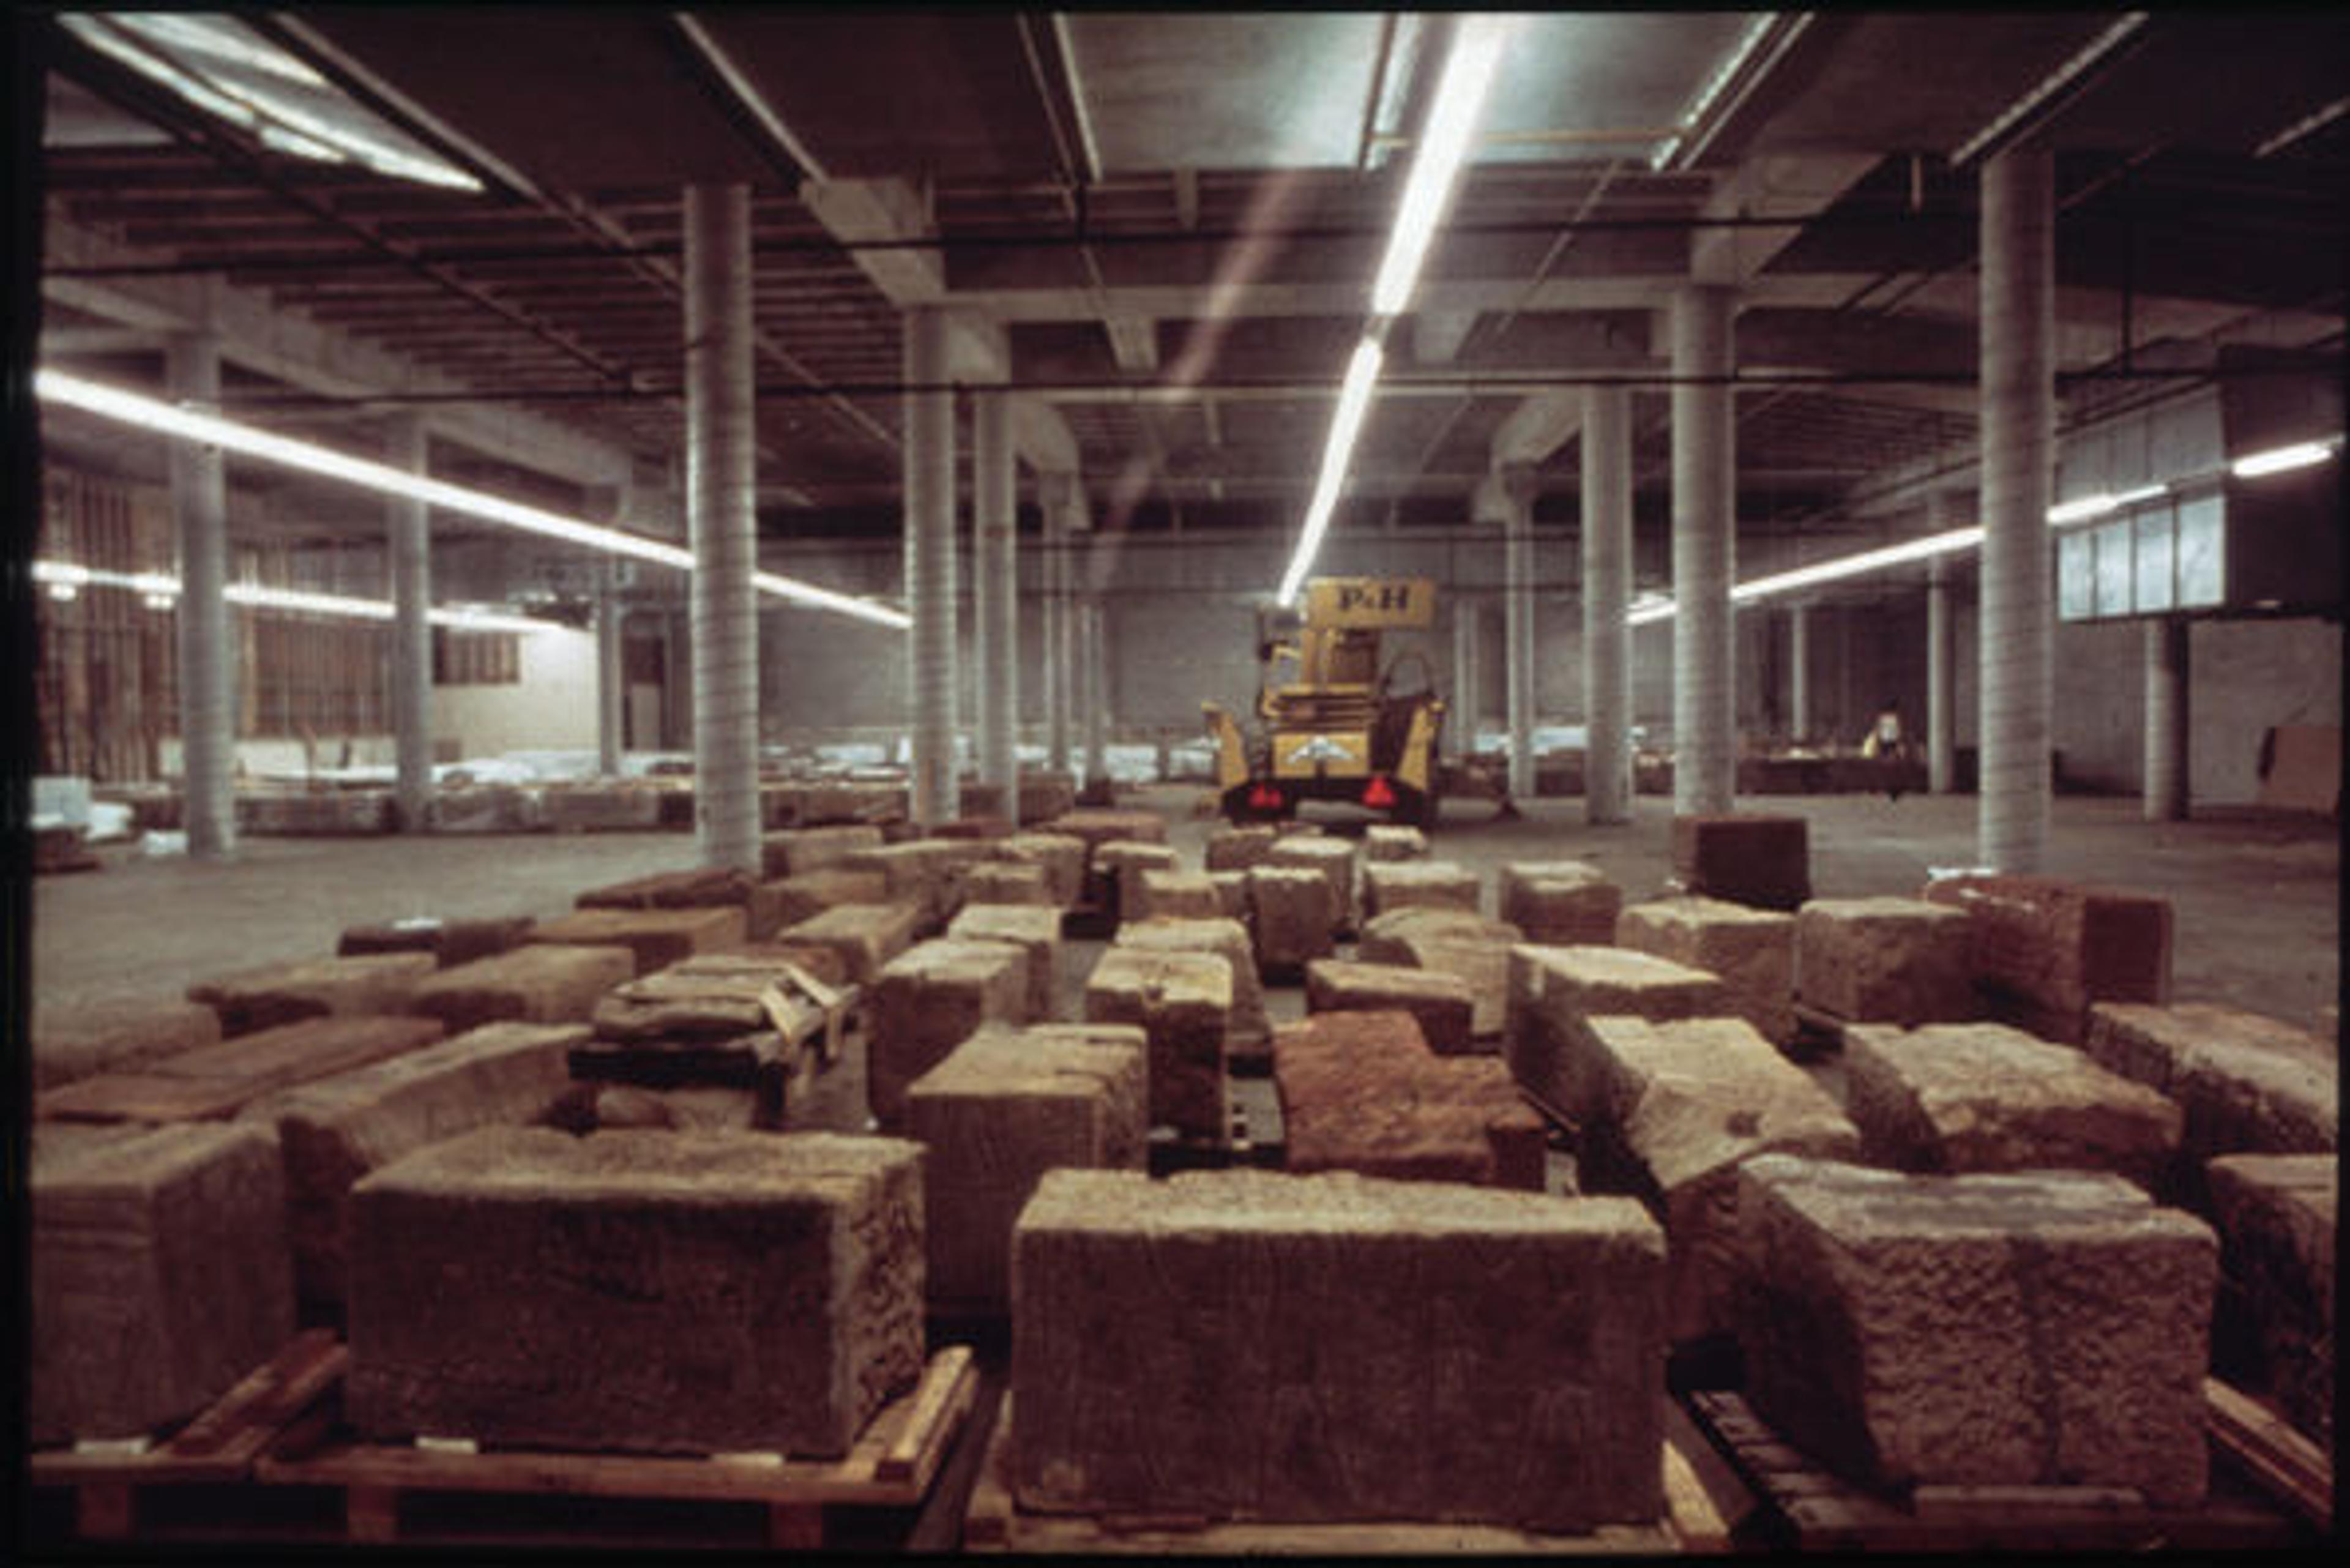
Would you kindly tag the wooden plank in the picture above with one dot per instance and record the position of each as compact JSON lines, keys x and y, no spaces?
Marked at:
{"x":948,"y":1389}
{"x":1706,"y":1499}
{"x":2283,"y":1461}
{"x":222,"y":1442}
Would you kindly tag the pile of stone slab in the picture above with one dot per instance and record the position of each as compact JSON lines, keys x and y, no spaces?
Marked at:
{"x":1746,"y":857}
{"x":2043,"y":950}
{"x":1453,"y":942}
{"x":762,"y":907}
{"x":1183,"y":1002}
{"x":1884,"y":961}
{"x":929,"y":1000}
{"x":1363,"y":1092}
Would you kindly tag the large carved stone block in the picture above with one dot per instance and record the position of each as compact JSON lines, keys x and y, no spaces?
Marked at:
{"x":1983,"y":1096}
{"x":1391,"y":884}
{"x":926,"y":873}
{"x":333,"y":1131}
{"x":451,"y":942}
{"x":2248,"y":1085}
{"x":278,"y":993}
{"x":1062,"y":855}
{"x":807,"y":894}
{"x":1683,"y":1105}
{"x":865,"y":936}
{"x":114,"y":1037}
{"x":1441,"y":1004}
{"x":659,"y":938}
{"x":1007,"y":882}
{"x":929,"y":1000}
{"x":1238,"y":846}
{"x":2049,"y":1328}
{"x":536,"y":983}
{"x":657,"y":1292}
{"x":1362,"y":1092}
{"x":159,"y":1274}
{"x":1471,"y":948}
{"x":1117,"y":868}
{"x":1172,"y":893}
{"x":2277,"y":1220}
{"x":1753,"y":951}
{"x":1227,"y":940}
{"x":1183,"y":1001}
{"x":1033,"y":929}
{"x":1333,"y":858}
{"x":215,"y":1081}
{"x":1884,"y":961}
{"x":795,"y":852}
{"x":1098,"y":825}
{"x":1561,"y":903}
{"x":1385,"y":841}
{"x":1249,"y":1344}
{"x":1004,"y":1108}
{"x":1293,"y":914}
{"x":2043,"y":949}
{"x":1747,"y":857}
{"x":1554,"y":990}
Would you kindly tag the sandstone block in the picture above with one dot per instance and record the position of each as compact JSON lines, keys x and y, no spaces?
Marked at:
{"x":1753,"y":951}
{"x":1250,"y":1344}
{"x":1554,"y":991}
{"x":808,"y":893}
{"x":215,"y":1081}
{"x":711,"y":995}
{"x":1099,"y":826}
{"x":587,"y":1105}
{"x":795,"y":852}
{"x":1294,"y":913}
{"x":1747,"y":857}
{"x":1172,"y":893}
{"x":535,"y":983}
{"x":451,"y":942}
{"x":2049,"y":1328}
{"x":1006,"y":882}
{"x":1117,"y":868}
{"x":1385,"y":841}
{"x":702,"y":888}
{"x":333,"y":1131}
{"x":980,"y":819}
{"x":1005,"y":1106}
{"x":1983,"y":1096}
{"x":601,"y":808}
{"x":1683,"y":1105}
{"x":1471,"y":948}
{"x":1183,"y":1001}
{"x":1884,"y":961}
{"x":865,"y":936}
{"x":159,"y":1274}
{"x":1036,"y":930}
{"x":1561,"y":903}
{"x":1333,"y":858}
{"x":114,"y":1037}
{"x":1441,"y":1004}
{"x":929,"y":1000}
{"x":2248,"y":1085}
{"x":1232,"y":893}
{"x":2276,"y":1216}
{"x":658,"y":938}
{"x":1238,"y":846}
{"x":926,"y":873}
{"x":649,"y":1291}
{"x":1227,"y":940}
{"x":2043,"y":949}
{"x":1362,"y":1092}
{"x":279,"y":993}
{"x":1062,"y":855}
{"x":1391,"y":884}
{"x":1045,"y":796}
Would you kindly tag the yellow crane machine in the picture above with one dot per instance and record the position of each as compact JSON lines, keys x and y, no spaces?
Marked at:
{"x":1335,"y":724}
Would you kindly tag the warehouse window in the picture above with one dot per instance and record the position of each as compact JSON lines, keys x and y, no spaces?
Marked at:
{"x":476,"y":658}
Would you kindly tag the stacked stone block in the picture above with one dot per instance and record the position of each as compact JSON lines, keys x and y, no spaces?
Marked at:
{"x":1554,"y":991}
{"x":1062,"y":857}
{"x":1249,"y":1026}
{"x":451,"y":942}
{"x":278,"y":994}
{"x":1752,"y":951}
{"x":1747,"y":857}
{"x":1391,"y":884}
{"x":215,"y":1081}
{"x":2277,"y":1218}
{"x":1034,"y":929}
{"x":536,"y":983}
{"x":1438,"y":1002}
{"x":1363,"y":1092}
{"x":2043,"y":949}
{"x":1183,"y":1001}
{"x":114,"y":1037}
{"x":929,"y":1000}
{"x":1561,"y":903}
{"x":1333,"y":858}
{"x":1294,"y":915}
{"x":865,"y":936}
{"x":658,"y":938}
{"x":1171,"y":893}
{"x":1470,"y":948}
{"x":1884,"y":961}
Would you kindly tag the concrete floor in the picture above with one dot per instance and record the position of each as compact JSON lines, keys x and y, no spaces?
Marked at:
{"x":2257,"y":896}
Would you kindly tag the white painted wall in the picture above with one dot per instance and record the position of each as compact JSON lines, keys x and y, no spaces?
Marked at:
{"x":553,"y":707}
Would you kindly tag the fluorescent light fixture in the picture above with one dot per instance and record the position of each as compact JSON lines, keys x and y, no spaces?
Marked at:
{"x":1354,"y":401}
{"x":2082,"y":508}
{"x":1711,"y":88}
{"x":2280,"y":460}
{"x":2013,"y":116}
{"x":162,"y":591}
{"x":186,"y":424}
{"x":2143,"y":493}
{"x":1436,"y":161}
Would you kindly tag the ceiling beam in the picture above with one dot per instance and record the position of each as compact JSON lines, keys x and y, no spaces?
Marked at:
{"x":1797,"y":188}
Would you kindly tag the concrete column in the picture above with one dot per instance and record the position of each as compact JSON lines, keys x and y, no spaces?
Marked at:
{"x":2166,"y":708}
{"x":1519,"y":486}
{"x":1942,"y":683}
{"x":1466,"y":697}
{"x":207,"y":649}
{"x":1799,"y":671}
{"x":611,"y":671}
{"x":931,"y":565}
{"x":1606,"y":594}
{"x":2017,"y":630}
{"x":1056,"y":495}
{"x":996,"y":587}
{"x":408,"y":547}
{"x":1705,"y":526}
{"x":721,"y":522}
{"x":1093,"y":659}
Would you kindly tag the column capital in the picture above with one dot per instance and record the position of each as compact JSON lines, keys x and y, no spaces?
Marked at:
{"x":1521,"y":481}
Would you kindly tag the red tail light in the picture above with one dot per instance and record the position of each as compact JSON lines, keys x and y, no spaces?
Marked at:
{"x":1377,"y":794}
{"x":1265,"y":797}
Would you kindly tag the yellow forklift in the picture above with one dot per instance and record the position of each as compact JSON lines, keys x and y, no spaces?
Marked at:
{"x":1334,"y":724}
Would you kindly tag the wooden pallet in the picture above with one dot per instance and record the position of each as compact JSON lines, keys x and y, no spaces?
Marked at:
{"x":219,"y":1446}
{"x":1814,"y":1510}
{"x":1695,"y":1522}
{"x":893,"y":1466}
{"x":2273,"y":1454}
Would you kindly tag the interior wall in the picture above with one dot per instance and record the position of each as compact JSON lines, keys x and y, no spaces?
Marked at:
{"x":552,"y":708}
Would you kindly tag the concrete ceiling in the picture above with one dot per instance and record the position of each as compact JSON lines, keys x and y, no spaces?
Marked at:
{"x":1175,"y":218}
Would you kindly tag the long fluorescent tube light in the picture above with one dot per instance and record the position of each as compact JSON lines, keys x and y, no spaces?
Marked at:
{"x":151,"y":413}
{"x":2082,"y":508}
{"x":2013,"y":116}
{"x":1436,"y":161}
{"x":2280,"y":460}
{"x":1354,"y":401}
{"x":163,"y":586}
